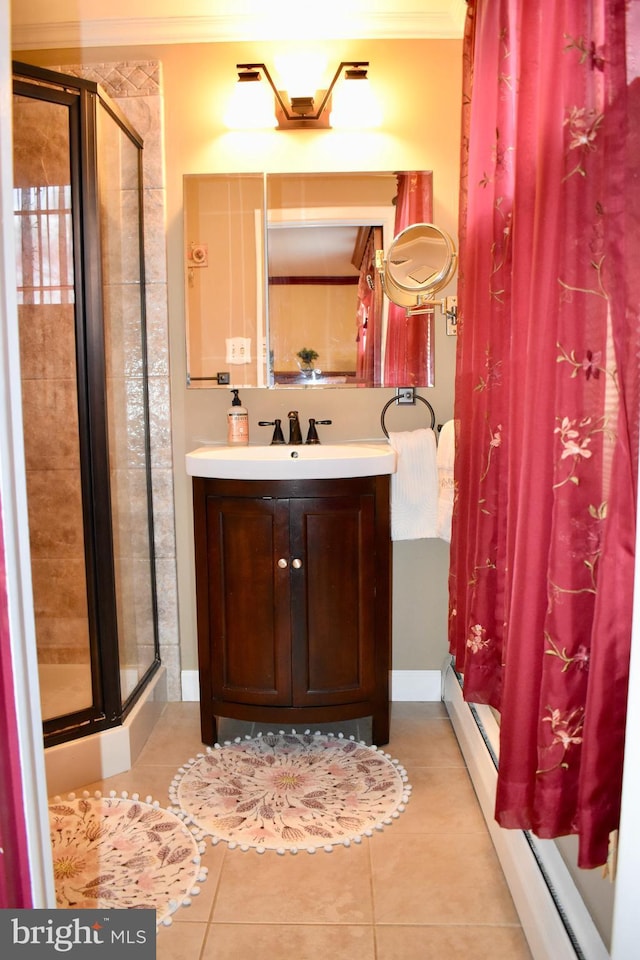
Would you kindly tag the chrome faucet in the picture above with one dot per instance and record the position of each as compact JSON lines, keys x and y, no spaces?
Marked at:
{"x":295,"y":434}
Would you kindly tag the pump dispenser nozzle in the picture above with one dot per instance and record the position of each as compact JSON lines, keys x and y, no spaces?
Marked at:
{"x":237,"y":422}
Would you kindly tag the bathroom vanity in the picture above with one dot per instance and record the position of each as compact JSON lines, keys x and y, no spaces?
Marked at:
{"x":293,"y":581}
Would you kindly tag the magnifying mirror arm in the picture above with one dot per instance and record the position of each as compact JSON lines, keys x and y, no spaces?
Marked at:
{"x":428,"y":305}
{"x":422,"y":306}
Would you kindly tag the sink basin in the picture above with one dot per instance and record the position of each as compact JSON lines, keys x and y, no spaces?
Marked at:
{"x":323,"y":461}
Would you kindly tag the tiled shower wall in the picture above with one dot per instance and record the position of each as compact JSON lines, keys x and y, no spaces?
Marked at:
{"x":136,"y":87}
{"x":49,"y":394}
{"x":52,"y":463}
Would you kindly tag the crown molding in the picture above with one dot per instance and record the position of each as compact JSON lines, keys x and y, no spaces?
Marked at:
{"x":141,"y":31}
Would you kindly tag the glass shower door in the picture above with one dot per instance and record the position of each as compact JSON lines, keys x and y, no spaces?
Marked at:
{"x":80,"y":280}
{"x":119,"y":195}
{"x":43,"y":218}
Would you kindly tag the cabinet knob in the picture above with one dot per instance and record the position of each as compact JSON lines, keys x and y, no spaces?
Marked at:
{"x":296,"y":564}
{"x":282,"y":563}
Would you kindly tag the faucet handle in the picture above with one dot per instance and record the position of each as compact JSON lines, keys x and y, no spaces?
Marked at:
{"x":278,"y":436}
{"x":312,"y":435}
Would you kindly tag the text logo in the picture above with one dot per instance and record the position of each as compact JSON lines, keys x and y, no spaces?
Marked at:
{"x":80,"y":934}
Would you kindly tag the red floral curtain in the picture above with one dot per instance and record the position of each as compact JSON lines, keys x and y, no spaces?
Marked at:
{"x":369,"y":314}
{"x":15,"y":881}
{"x":408,"y":361}
{"x":547,"y":403}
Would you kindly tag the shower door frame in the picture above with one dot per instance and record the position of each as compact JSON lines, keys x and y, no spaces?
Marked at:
{"x":84,"y":98}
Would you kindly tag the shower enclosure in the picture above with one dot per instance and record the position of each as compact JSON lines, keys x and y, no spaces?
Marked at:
{"x":80,"y":290}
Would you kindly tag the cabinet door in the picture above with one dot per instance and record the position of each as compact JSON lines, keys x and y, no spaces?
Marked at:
{"x":249,"y":599}
{"x":333,"y":569}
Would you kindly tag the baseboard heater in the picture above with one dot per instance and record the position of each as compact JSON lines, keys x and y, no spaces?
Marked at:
{"x":553,"y":915}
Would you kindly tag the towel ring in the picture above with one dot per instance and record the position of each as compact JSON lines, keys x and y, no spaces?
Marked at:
{"x":416,"y":396}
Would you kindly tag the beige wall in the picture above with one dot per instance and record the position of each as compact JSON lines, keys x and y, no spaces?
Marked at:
{"x":418,"y":85}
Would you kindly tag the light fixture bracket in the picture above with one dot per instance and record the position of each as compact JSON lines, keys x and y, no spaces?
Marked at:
{"x":300,"y":112}
{"x":301,"y":106}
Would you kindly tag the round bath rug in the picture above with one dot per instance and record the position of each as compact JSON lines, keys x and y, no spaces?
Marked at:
{"x":290,"y":792}
{"x":122,"y":852}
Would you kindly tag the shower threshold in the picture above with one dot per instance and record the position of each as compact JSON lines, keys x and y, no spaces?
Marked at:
{"x":87,"y":759}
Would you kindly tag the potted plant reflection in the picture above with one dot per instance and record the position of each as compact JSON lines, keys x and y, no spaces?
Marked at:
{"x":306,"y":359}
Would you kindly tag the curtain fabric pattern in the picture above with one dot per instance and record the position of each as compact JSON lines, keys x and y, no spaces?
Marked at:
{"x":547,"y":403}
{"x":15,"y":878}
{"x":408,"y":359}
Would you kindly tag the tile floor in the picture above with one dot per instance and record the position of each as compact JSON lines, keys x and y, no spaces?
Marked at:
{"x":429,"y":887}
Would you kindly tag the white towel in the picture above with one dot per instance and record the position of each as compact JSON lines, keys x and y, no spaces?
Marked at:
{"x":444,"y":459}
{"x":414,"y":485}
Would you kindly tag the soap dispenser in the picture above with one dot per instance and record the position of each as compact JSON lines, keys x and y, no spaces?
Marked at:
{"x":237,"y":423}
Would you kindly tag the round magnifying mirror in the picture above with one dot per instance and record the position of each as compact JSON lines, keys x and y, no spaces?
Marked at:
{"x":421,"y":260}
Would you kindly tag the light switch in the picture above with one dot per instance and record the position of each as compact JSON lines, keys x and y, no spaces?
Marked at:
{"x":238,"y":349}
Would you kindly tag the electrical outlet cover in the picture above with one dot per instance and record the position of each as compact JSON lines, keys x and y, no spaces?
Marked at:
{"x":238,"y":350}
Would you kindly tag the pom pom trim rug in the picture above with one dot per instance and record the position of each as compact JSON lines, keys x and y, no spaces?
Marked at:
{"x":289,"y":792}
{"x":113,"y":852}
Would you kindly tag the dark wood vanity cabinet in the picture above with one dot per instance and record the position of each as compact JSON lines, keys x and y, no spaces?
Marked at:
{"x":293,"y":601}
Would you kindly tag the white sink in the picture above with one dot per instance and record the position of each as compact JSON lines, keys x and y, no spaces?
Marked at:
{"x":322,"y":461}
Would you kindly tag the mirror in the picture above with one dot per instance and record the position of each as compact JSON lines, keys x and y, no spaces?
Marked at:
{"x":281,"y":284}
{"x":421,"y":261}
{"x":313,"y":299}
{"x":224,"y":279}
{"x":325,"y":300}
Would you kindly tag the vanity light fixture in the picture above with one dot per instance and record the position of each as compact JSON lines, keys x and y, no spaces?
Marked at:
{"x":305,"y":112}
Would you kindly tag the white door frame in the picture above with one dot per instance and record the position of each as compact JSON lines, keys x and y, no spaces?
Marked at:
{"x":14,"y":518}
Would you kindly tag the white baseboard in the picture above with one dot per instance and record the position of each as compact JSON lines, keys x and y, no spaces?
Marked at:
{"x":104,"y":754}
{"x":408,"y":685}
{"x":556,"y":927}
{"x":416,"y":686}
{"x":190,"y":685}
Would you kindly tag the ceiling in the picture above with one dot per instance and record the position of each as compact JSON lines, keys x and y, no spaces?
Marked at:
{"x":41,"y":24}
{"x":321,"y":251}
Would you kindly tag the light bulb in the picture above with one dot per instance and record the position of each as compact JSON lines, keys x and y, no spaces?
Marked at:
{"x":301,"y":74}
{"x":251,"y":106}
{"x":354,"y":106}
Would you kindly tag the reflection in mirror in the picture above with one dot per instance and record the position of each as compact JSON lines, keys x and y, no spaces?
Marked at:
{"x":325,"y":297}
{"x":313,"y":287}
{"x":281,"y":281}
{"x":224,"y":279}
